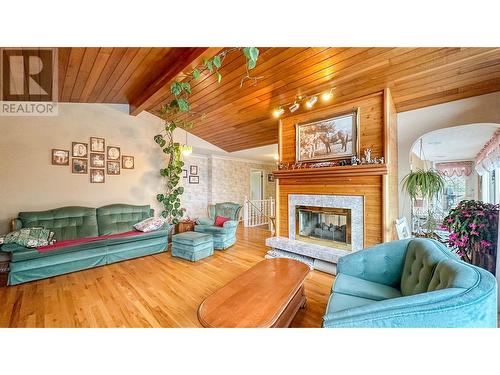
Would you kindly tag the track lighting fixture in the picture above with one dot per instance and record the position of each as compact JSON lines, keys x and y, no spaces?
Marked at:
{"x":294,"y":107}
{"x":278,"y":112}
{"x":327,"y":95}
{"x":312,"y":100}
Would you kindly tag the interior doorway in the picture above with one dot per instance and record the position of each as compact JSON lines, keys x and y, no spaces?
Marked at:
{"x":256,"y":184}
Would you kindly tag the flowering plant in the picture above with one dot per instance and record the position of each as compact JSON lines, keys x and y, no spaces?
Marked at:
{"x":473,"y":227}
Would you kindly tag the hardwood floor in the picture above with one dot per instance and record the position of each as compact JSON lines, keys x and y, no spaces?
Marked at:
{"x":153,"y":291}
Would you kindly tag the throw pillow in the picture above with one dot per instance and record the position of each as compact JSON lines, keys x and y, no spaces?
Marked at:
{"x":150,"y":224}
{"x":30,"y":237}
{"x":220,"y":220}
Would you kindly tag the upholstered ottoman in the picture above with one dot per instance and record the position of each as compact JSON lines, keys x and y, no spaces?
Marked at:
{"x":192,"y":246}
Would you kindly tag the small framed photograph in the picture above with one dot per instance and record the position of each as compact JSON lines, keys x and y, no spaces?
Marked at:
{"x":79,"y":166}
{"x":270,"y":177}
{"x":79,"y":150}
{"x":128,"y":162}
{"x":194,"y":179}
{"x":184,"y":173}
{"x":97,"y":176}
{"x":60,"y":157}
{"x":113,"y":153}
{"x":113,"y":167}
{"x":96,"y":160}
{"x":97,"y":144}
{"x":193,"y":169}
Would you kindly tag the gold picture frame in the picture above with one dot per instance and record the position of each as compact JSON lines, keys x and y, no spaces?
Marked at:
{"x":332,"y":138}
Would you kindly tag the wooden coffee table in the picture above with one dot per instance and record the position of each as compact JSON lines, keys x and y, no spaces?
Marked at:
{"x":267,"y":295}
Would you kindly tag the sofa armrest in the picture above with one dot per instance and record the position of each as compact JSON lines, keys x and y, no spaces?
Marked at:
{"x":205,"y":221}
{"x":381,"y":264}
{"x":12,"y":247}
{"x":230,"y":224}
{"x":452,"y":307}
{"x":15,"y":224}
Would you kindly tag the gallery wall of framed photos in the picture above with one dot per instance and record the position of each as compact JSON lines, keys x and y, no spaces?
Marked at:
{"x":95,"y":158}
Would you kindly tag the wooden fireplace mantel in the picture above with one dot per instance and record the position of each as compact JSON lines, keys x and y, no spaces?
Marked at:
{"x":338,"y":171}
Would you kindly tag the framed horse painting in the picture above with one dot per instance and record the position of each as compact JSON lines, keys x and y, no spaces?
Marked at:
{"x":328,"y":139}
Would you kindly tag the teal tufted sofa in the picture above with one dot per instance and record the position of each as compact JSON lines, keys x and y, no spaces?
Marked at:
{"x":410,"y":283}
{"x":69,"y":223}
{"x":225,"y":236}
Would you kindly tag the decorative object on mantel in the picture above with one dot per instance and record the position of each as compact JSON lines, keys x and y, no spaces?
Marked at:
{"x":488,"y":159}
{"x":473,"y":227}
{"x":455,"y":168}
{"x":60,"y":157}
{"x":367,"y":159}
{"x":328,"y":139}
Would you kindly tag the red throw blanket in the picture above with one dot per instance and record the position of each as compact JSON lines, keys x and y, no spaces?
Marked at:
{"x":78,"y":241}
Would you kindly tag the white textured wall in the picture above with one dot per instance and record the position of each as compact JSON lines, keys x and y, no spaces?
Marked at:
{"x":195,"y":197}
{"x":29,"y":182}
{"x":413,"y":124}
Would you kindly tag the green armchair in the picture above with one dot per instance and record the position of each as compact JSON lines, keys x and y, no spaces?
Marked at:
{"x":410,"y":283}
{"x":224,"y":236}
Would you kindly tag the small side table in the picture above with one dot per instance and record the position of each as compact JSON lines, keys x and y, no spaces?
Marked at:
{"x":185,"y":226}
{"x":4,"y":268}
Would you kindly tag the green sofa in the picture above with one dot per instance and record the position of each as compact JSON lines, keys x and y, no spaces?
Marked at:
{"x":224,"y":236}
{"x":70,"y":223}
{"x":410,"y":283}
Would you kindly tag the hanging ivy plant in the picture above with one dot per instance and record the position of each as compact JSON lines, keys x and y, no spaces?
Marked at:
{"x":176,"y":114}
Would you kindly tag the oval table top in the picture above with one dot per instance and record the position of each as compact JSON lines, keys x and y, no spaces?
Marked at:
{"x":256,"y":298}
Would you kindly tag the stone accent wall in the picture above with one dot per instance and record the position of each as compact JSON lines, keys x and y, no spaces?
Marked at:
{"x":221,"y":180}
{"x":231,"y":180}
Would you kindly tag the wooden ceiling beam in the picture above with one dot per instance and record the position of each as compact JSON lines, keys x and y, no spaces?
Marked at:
{"x":161,"y":87}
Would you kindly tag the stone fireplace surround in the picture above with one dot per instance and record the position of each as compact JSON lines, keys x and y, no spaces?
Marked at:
{"x":323,"y":258}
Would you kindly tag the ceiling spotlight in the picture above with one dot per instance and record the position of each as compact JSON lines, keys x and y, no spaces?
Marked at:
{"x":278,"y":112}
{"x":311,"y":101}
{"x":294,"y":107}
{"x":327,"y":95}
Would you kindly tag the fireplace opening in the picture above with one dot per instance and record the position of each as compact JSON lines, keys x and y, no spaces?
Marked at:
{"x":325,"y":226}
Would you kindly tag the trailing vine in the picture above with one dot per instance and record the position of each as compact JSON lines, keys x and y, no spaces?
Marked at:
{"x":177,"y":114}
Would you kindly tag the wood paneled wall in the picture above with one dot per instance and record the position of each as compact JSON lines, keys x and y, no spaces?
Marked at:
{"x":377,"y":130}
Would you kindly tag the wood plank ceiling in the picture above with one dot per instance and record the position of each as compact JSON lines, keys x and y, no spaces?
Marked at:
{"x":237,"y":118}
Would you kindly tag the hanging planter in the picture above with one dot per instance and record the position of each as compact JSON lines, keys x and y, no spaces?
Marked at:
{"x":425,"y":184}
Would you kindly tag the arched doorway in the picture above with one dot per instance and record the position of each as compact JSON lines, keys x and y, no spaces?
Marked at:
{"x":452,"y":151}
